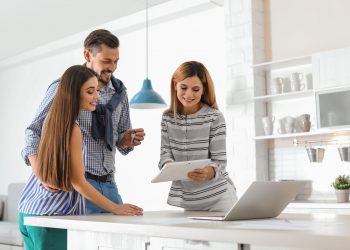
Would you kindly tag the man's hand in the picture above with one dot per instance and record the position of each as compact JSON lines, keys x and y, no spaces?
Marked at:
{"x":133,"y":137}
{"x":33,"y":163}
{"x":50,"y":188}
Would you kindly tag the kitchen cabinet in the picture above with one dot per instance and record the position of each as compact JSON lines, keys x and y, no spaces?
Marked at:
{"x":331,"y":68}
{"x":333,"y":107}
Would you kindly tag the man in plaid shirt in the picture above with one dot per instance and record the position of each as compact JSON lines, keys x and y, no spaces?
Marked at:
{"x":101,"y":53}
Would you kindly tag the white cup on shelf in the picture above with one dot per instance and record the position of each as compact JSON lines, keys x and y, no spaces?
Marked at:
{"x":309,"y":81}
{"x":295,"y":81}
{"x":286,"y":125}
{"x":276,"y":86}
{"x":267,"y":122}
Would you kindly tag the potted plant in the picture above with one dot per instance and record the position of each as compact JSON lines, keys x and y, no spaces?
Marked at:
{"x":341,"y":185}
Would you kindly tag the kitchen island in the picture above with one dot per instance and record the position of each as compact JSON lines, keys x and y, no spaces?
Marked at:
{"x":157,"y":230}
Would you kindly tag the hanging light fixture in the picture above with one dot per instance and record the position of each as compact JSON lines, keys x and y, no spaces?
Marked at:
{"x":147,"y":98}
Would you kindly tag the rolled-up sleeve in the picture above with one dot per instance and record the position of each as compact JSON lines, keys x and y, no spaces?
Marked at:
{"x":123,"y":124}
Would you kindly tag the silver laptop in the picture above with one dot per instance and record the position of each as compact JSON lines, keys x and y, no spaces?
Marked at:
{"x":263,"y":199}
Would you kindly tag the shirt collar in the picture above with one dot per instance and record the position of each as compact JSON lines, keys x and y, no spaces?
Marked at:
{"x":109,"y":85}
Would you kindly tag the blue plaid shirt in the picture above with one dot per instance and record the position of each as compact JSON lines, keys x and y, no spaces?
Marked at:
{"x":99,"y":160}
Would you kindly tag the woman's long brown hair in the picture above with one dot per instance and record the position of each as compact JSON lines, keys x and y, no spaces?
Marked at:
{"x":54,"y":149}
{"x":189,"y":69}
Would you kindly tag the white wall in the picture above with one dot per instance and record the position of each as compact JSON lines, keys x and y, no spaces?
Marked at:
{"x":196,"y":37}
{"x":303,"y":27}
{"x":24,"y":86}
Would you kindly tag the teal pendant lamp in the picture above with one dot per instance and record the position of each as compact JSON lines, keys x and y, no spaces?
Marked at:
{"x":147,"y":98}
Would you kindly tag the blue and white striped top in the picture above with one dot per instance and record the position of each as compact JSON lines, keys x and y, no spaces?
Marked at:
{"x":37,"y":200}
{"x":201,"y":135}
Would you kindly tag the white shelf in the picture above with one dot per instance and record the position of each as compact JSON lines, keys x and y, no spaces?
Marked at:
{"x":297,"y":61}
{"x":285,"y":96}
{"x":303,"y":134}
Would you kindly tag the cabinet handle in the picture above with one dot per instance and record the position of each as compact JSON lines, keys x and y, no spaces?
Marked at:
{"x":147,"y":244}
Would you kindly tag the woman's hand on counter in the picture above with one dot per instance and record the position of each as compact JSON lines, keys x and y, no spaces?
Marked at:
{"x":127,"y":209}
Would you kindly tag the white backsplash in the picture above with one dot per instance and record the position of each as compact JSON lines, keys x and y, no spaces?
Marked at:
{"x":292,"y":163}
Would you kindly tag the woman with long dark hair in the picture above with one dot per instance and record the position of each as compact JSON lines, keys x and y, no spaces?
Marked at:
{"x":60,"y":164}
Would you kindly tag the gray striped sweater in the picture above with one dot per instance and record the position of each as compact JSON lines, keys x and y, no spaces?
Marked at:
{"x":201,"y":135}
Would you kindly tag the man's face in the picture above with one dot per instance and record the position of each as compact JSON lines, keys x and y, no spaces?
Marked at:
{"x":103,"y":62}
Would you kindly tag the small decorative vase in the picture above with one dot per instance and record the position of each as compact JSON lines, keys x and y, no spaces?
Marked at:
{"x":342,"y":195}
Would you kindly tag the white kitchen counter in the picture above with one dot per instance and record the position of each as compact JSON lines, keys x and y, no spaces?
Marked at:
{"x":318,"y":207}
{"x":318,"y":231}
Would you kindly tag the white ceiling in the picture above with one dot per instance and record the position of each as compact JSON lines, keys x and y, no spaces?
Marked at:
{"x":27,"y":24}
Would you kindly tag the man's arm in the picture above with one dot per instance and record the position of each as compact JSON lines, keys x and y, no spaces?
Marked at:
{"x":123,"y":125}
{"x":33,"y":131}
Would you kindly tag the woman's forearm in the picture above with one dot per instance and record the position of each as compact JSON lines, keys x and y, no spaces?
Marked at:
{"x":89,"y":192}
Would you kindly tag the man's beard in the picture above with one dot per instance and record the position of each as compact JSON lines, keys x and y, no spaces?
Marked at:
{"x":101,"y":79}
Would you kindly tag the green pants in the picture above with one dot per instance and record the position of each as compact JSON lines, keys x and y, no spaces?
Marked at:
{"x":42,"y":238}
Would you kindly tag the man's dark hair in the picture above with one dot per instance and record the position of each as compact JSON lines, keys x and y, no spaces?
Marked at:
{"x":98,"y":37}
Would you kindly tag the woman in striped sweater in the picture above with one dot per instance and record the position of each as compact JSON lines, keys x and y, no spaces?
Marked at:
{"x":59,"y":164}
{"x":193,"y":128}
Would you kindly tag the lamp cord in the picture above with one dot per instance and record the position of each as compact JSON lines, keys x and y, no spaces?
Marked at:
{"x":146,"y":39}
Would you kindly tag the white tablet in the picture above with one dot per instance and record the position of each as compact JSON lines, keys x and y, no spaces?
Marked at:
{"x":173,"y":171}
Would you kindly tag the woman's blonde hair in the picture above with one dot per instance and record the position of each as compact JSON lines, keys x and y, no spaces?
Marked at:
{"x":190,"y":69}
{"x":53,"y":157}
